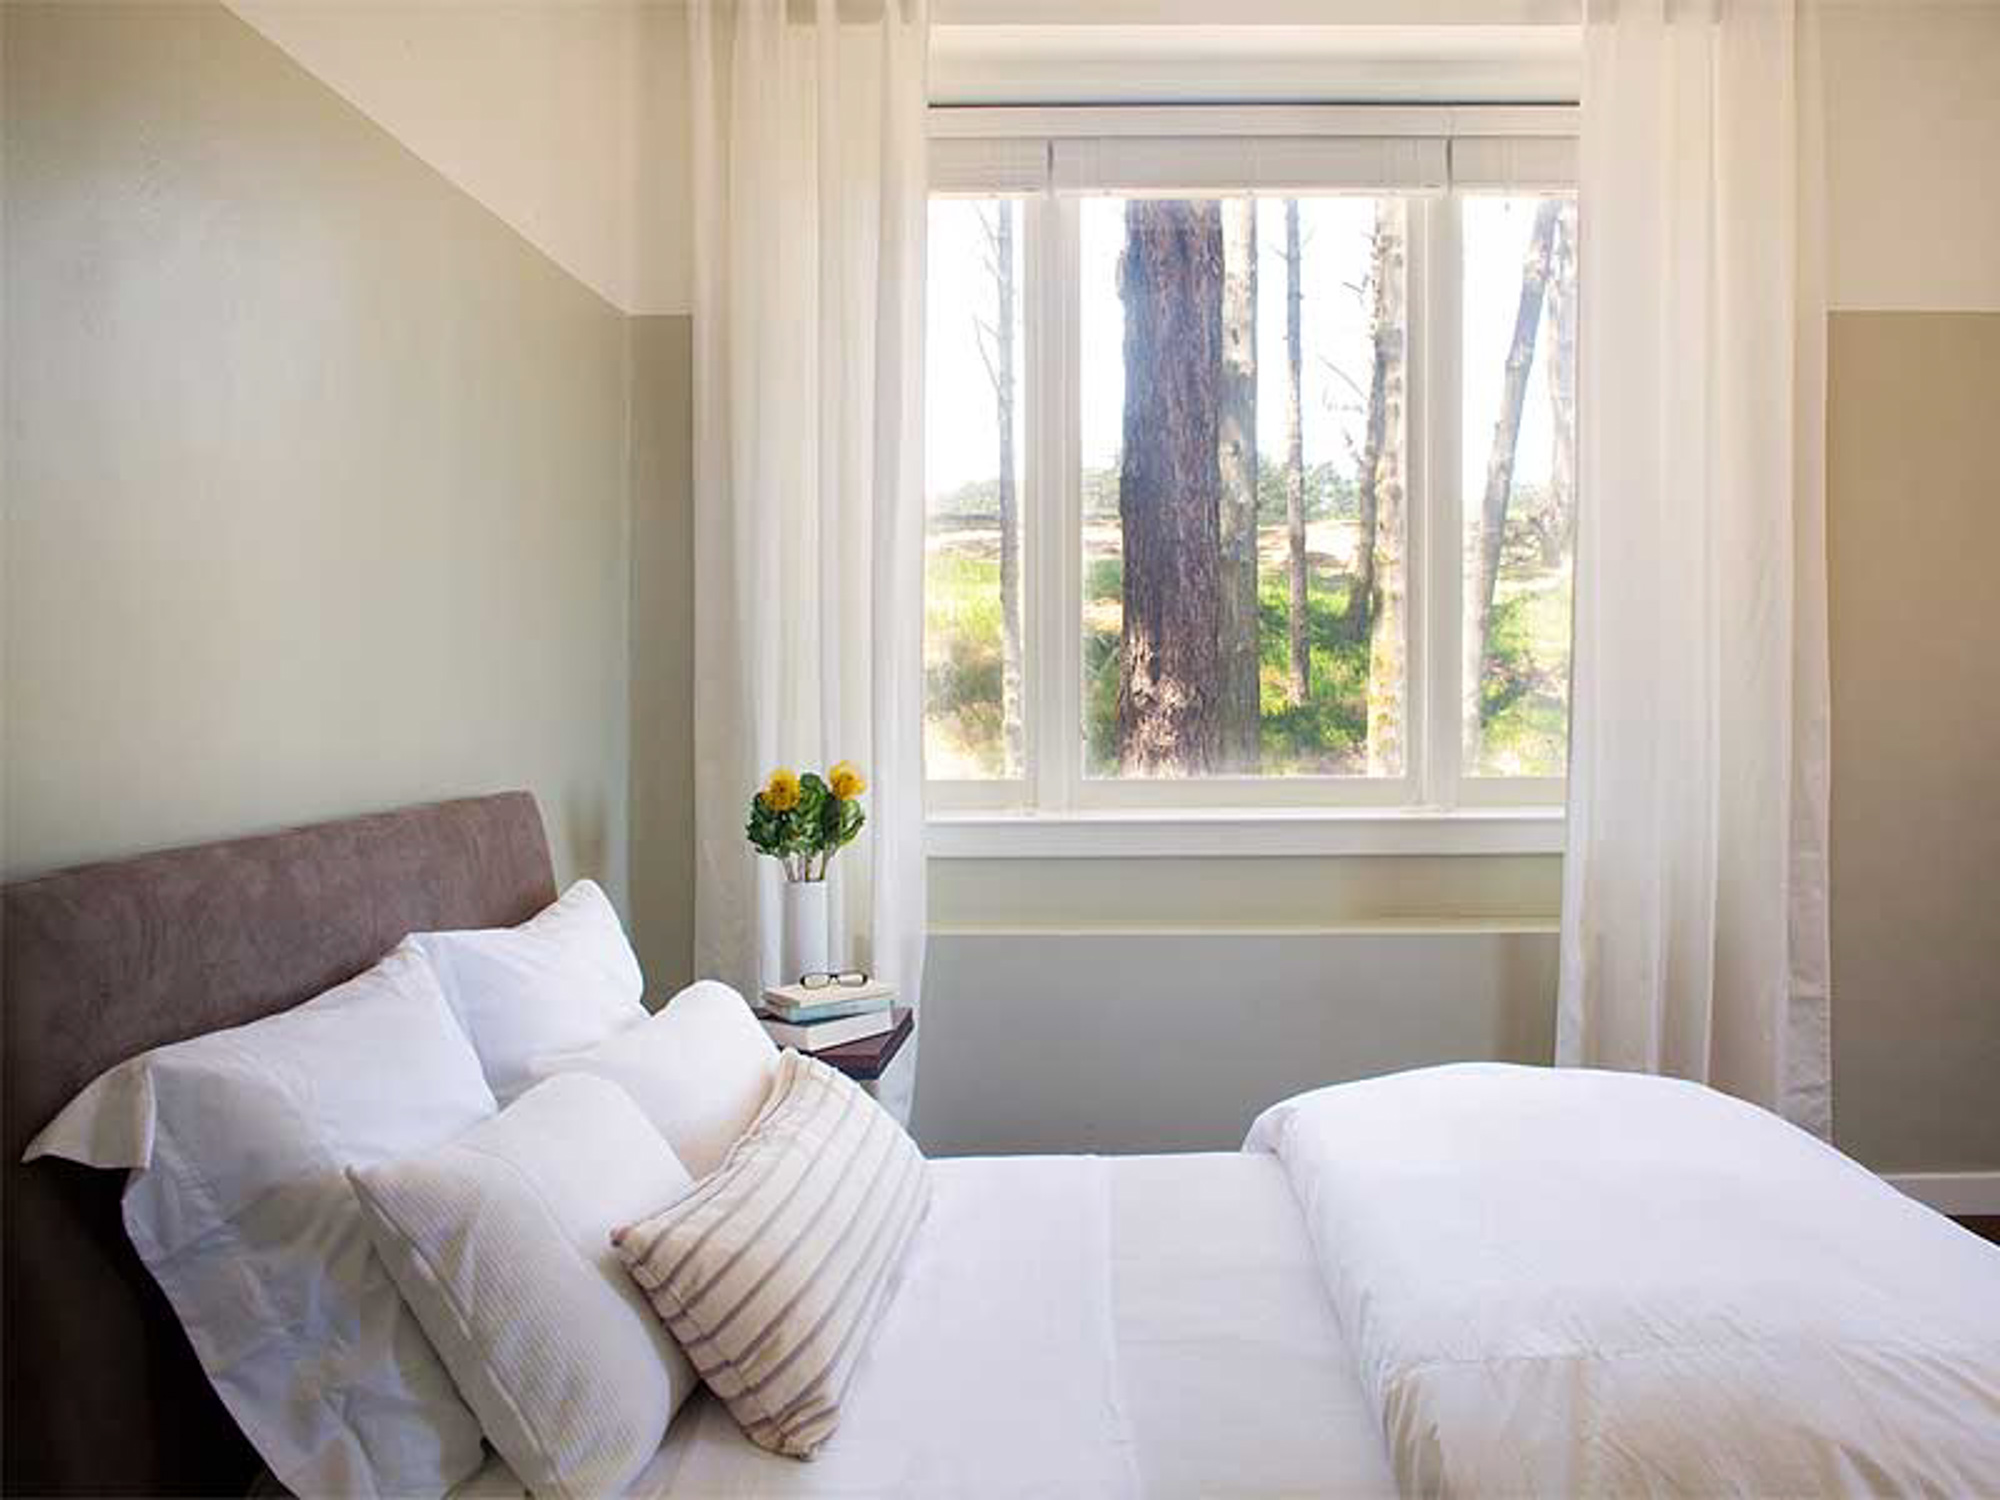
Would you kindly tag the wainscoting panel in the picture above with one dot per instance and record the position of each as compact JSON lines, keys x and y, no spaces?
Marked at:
{"x":1136,"y":1041}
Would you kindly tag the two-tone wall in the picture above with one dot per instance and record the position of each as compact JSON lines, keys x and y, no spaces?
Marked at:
{"x":316,"y":473}
{"x":348,"y":460}
{"x":1913,"y":522}
{"x":347,"y":413}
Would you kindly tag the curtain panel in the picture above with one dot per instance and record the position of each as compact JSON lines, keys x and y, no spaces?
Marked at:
{"x":809,"y":214}
{"x":1695,"y":885}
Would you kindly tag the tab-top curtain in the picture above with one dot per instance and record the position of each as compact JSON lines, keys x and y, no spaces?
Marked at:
{"x":808,"y":215}
{"x":1695,"y":886}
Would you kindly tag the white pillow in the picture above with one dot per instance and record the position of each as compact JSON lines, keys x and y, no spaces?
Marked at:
{"x":774,"y":1273}
{"x":241,"y":1208}
{"x":566,"y":978}
{"x":699,"y":1070}
{"x":501,"y":1242}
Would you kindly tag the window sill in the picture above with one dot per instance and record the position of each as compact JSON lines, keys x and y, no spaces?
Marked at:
{"x":1225,"y":833}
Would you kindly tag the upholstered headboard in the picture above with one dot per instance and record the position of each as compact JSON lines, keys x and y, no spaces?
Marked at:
{"x":102,"y":1393}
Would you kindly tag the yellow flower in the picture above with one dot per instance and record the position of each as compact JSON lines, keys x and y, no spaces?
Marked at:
{"x":781,"y":792}
{"x":845,"y":782}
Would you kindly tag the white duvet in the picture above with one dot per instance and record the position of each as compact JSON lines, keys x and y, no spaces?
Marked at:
{"x":1075,"y":1328}
{"x":1583,"y":1283}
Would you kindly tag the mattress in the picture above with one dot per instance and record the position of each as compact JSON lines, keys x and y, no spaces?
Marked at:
{"x":1077,"y":1325}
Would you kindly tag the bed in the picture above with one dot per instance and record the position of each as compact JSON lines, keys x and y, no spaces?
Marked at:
{"x":1452,"y":1282}
{"x":1155,"y":1323}
{"x":102,"y":1393}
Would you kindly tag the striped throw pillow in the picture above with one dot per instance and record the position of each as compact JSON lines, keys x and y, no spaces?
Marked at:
{"x":774,"y":1270}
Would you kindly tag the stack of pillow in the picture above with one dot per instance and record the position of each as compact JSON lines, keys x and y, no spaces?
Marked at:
{"x":478,"y":1190}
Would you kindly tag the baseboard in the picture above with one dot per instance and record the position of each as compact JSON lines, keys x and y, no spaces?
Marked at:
{"x":1961,"y":1194}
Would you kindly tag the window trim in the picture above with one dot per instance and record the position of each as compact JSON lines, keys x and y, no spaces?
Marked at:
{"x":1054,"y":809}
{"x":1252,"y":833}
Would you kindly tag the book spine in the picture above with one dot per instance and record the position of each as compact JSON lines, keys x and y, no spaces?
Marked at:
{"x":822,"y":1037}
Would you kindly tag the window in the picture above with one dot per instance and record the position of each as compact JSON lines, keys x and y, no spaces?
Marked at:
{"x":1250,"y":466}
{"x":974,"y":716}
{"x":1518,"y":488}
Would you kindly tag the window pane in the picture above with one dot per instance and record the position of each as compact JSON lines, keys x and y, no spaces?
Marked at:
{"x":1519,"y":364}
{"x":974,"y":490}
{"x":1243,"y":366}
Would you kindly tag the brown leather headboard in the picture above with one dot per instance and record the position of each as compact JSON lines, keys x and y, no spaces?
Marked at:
{"x":102,"y":1393}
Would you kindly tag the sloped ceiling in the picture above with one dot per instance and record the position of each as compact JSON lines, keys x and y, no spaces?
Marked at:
{"x":565,"y":118}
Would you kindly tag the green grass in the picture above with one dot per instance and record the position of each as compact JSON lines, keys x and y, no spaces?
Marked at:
{"x":1523,"y":699}
{"x":1524,"y":696}
{"x":962,"y":664}
{"x":1326,"y":735}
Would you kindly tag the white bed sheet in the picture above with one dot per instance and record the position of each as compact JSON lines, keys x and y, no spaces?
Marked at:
{"x":1078,"y":1326}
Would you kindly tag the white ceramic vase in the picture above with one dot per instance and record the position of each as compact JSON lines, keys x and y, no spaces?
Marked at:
{"x":804,"y":930}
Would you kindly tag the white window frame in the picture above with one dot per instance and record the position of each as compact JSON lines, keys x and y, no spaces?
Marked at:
{"x":1054,"y":809}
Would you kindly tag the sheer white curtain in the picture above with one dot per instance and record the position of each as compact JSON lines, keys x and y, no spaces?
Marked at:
{"x":1695,"y":890}
{"x":809,"y":211}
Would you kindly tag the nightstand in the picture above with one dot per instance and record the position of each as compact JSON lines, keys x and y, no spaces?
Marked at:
{"x":865,"y":1061}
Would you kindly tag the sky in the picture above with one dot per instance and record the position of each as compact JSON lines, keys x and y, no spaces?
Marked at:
{"x":961,"y":442}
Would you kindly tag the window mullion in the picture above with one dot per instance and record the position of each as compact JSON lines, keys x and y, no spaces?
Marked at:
{"x":1418,"y":539}
{"x":1053,"y":698}
{"x":1444,"y":525}
{"x":1034,"y":430}
{"x":1066,"y":493}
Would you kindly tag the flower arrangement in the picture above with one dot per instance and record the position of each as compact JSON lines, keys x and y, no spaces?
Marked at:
{"x":803,"y":821}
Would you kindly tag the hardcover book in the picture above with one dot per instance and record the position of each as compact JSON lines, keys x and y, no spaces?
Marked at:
{"x":818,"y":1036}
{"x":795,"y":1003}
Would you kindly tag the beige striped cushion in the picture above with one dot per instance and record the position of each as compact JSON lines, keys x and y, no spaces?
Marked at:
{"x":772,"y":1273}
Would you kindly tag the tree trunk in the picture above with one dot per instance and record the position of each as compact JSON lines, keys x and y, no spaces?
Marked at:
{"x":1299,"y":687}
{"x":996,"y":351}
{"x":1383,"y":342}
{"x":1237,"y":456}
{"x":1169,"y":489}
{"x":1506,"y":437}
{"x":1562,"y":384}
{"x":1386,"y":632}
{"x":1010,"y":501}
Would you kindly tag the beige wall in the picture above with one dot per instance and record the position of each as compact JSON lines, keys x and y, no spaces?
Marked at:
{"x":315,"y":474}
{"x":1913,"y":522}
{"x":1913,"y":501}
{"x":663,"y":650}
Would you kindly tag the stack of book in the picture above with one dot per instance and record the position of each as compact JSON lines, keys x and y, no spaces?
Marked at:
{"x":812,"y":1020}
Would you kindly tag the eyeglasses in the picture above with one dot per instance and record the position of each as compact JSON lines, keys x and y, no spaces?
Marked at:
{"x":847,"y":979}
